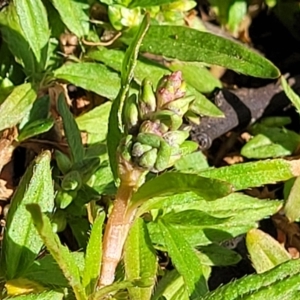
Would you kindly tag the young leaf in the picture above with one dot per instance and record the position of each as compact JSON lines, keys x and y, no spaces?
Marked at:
{"x":115,"y":129}
{"x":35,"y":128}
{"x":168,"y":183}
{"x":21,"y":244}
{"x":281,"y":282}
{"x":92,"y":77}
{"x":93,"y":256}
{"x":258,"y":173}
{"x":73,"y":15}
{"x":184,"y":258}
{"x":71,"y":130}
{"x":59,"y":252}
{"x":16,"y":105}
{"x":139,"y":259}
{"x":292,"y":205}
{"x":295,"y":99}
{"x":34,"y":23}
{"x":188,"y":44}
{"x":265,"y":252}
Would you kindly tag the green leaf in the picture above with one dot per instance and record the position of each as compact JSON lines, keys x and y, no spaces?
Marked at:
{"x":124,"y":284}
{"x":115,"y":130}
{"x":271,"y":142}
{"x":15,"y":39}
{"x":35,"y":128}
{"x":184,"y":258}
{"x":93,"y":256}
{"x":295,"y":99}
{"x":21,"y":244}
{"x":195,"y":161}
{"x":196,"y":75}
{"x":218,"y":221}
{"x":73,"y":15}
{"x":154,"y":72}
{"x":34,"y":23}
{"x":139,"y":259}
{"x":16,"y":105}
{"x":188,"y":44}
{"x":215,"y":255}
{"x":71,"y":130}
{"x":258,"y":173}
{"x":265,"y":252}
{"x":47,"y":295}
{"x":292,"y":205}
{"x":47,"y":272}
{"x":169,"y":183}
{"x":60,"y":253}
{"x":92,"y":77}
{"x":147,"y":3}
{"x":282,"y":282}
{"x":171,"y":287}
{"x":95,"y":123}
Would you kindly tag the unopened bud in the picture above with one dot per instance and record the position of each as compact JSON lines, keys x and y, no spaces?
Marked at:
{"x":149,"y":139}
{"x":147,"y":99}
{"x":176,"y":138}
{"x":163,"y":157}
{"x":131,"y":114}
{"x":170,"y":88}
{"x":169,"y":119}
{"x":148,"y":159}
{"x":139,"y":149}
{"x":180,"y":106}
{"x":71,"y":181}
{"x":151,"y":127}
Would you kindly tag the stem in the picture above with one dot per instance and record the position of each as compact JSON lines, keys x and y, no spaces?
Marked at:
{"x":115,"y":234}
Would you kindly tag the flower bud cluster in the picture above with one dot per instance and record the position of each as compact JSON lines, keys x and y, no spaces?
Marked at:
{"x":154,"y":121}
{"x":122,"y":17}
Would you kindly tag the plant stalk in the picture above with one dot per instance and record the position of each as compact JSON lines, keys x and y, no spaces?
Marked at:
{"x":115,"y":234}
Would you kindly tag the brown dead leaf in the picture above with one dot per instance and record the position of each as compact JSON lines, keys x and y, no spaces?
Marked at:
{"x":291,"y":230}
{"x":234,"y":159}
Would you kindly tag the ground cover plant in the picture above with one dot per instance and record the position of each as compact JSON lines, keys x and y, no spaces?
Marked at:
{"x":104,"y":195}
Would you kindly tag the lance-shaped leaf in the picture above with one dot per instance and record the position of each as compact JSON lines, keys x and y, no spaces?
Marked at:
{"x":21,"y":244}
{"x":188,"y":44}
{"x":282,"y":282}
{"x":60,"y":253}
{"x":202,"y":222}
{"x":16,"y":105}
{"x":290,"y":93}
{"x":265,"y":252}
{"x":168,"y":183}
{"x":93,"y":256}
{"x":139,"y":259}
{"x":74,"y":16}
{"x":292,"y":205}
{"x":257,"y":173}
{"x":34,"y":23}
{"x":71,"y":130}
{"x":92,"y":77}
{"x":47,"y":295}
{"x":115,"y":129}
{"x":184,"y":258}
